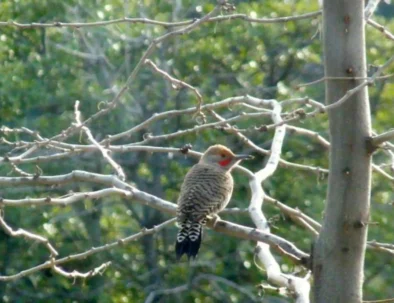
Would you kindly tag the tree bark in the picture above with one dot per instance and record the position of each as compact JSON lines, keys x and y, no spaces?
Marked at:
{"x":338,"y":256}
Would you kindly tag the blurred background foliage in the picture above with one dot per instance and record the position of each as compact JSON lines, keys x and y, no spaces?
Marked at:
{"x":43,"y":72}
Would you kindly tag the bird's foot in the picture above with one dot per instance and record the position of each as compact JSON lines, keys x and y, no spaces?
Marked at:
{"x":214,"y":219}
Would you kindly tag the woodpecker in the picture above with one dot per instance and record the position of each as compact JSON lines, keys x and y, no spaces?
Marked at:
{"x":206,"y":190}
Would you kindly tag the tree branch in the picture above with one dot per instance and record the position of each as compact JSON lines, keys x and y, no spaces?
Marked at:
{"x":376,"y":141}
{"x":104,"y":152}
{"x":299,"y":285}
{"x":55,"y":262}
{"x":160,"y":23}
{"x":28,"y":235}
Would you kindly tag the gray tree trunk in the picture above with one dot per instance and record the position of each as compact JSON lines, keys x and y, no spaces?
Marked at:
{"x":338,"y":257}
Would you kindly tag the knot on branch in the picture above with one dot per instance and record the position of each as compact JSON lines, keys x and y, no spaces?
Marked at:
{"x":147,"y":136}
{"x":370,"y":146}
{"x":200,"y":117}
{"x":307,"y":262}
{"x":107,"y":141}
{"x":226,"y":6}
{"x":5,"y":130}
{"x":185,"y":149}
{"x":262,"y":128}
{"x":300,"y":113}
{"x":38,"y":172}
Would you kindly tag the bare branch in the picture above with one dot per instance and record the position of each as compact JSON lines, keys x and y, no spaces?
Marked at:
{"x":254,"y":234}
{"x":76,"y":274}
{"x":347,"y":96}
{"x":178,"y":83}
{"x":55,"y":262}
{"x":174,"y":113}
{"x":114,"y":102}
{"x":242,"y":116}
{"x":160,"y":204}
{"x":370,"y":8}
{"x":28,"y":235}
{"x":296,"y":215}
{"x":380,"y":139}
{"x":250,"y":143}
{"x":300,"y":286}
{"x":384,"y":247}
{"x":68,"y":199}
{"x":104,"y":152}
{"x":380,"y":301}
{"x":382,"y":29}
{"x":155,"y":22}
{"x":360,"y":86}
{"x":310,"y":134}
{"x":341,"y":78}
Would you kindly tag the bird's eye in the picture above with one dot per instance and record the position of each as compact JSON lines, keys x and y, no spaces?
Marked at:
{"x":223,"y":155}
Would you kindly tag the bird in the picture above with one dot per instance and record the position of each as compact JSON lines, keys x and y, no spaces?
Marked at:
{"x":205,"y":191}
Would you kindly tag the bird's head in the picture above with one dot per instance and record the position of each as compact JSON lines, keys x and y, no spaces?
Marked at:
{"x":222,"y":157}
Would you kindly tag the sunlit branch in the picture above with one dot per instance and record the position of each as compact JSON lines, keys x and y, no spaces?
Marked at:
{"x":109,"y":106}
{"x":383,"y":247}
{"x":176,"y":84}
{"x":19,"y":171}
{"x":155,"y":202}
{"x":299,"y":285}
{"x":174,"y":113}
{"x":243,"y":17}
{"x":340,"y":78}
{"x":104,"y":152}
{"x":380,"y":139}
{"x":76,"y":274}
{"x":391,"y":300}
{"x":68,"y":199}
{"x":308,"y":133}
{"x":80,"y":256}
{"x":296,"y":215}
{"x":370,"y":8}
{"x":152,"y":138}
{"x":28,"y":235}
{"x":382,"y":29}
{"x":251,"y":144}
{"x":347,"y":96}
{"x":359,"y":87}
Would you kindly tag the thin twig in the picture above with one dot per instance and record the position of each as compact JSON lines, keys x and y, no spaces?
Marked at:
{"x":104,"y":152}
{"x":178,"y":83}
{"x":160,"y":23}
{"x":55,"y":262}
{"x":381,"y":28}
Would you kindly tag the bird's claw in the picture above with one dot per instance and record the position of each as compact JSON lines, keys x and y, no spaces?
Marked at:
{"x":214,"y":218}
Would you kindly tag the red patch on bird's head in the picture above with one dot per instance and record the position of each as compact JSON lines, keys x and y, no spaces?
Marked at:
{"x":225,"y":162}
{"x":218,"y":154}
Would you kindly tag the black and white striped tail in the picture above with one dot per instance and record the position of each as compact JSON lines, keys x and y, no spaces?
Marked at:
{"x":188,"y":240}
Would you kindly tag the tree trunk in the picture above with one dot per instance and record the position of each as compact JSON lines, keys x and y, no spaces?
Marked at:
{"x":338,"y":256}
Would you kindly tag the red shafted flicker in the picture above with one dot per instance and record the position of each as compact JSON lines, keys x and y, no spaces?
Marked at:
{"x":206,"y":190}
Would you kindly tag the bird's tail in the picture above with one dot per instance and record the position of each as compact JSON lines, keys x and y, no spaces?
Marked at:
{"x":188,"y":240}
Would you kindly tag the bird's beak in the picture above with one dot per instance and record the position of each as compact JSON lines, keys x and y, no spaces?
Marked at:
{"x":243,"y":157}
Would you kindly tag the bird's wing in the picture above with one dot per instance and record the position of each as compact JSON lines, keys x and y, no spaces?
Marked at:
{"x":205,"y":191}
